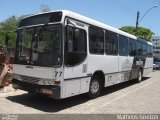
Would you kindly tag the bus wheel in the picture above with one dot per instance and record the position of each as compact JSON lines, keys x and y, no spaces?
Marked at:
{"x":139,"y":76}
{"x":95,"y":87}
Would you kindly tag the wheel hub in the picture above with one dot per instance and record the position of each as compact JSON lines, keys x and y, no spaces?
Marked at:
{"x":94,"y":86}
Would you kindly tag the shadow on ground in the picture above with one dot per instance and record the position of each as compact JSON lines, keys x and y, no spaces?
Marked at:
{"x":46,"y":104}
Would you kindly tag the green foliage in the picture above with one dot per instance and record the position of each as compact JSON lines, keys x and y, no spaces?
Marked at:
{"x":2,"y":36}
{"x":143,"y":33}
{"x":8,"y":31}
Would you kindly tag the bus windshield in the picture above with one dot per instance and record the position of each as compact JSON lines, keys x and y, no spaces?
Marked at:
{"x":39,"y":46}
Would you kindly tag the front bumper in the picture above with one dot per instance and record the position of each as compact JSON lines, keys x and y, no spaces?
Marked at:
{"x":34,"y":88}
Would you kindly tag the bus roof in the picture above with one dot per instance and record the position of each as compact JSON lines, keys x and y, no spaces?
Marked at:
{"x":95,"y":23}
{"x":89,"y":21}
{"x":86,"y":20}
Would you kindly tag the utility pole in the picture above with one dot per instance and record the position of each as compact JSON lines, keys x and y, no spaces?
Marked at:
{"x":137,"y":22}
{"x":138,"y":15}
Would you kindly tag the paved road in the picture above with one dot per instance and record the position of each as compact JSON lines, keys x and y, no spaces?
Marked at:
{"x":128,"y":97}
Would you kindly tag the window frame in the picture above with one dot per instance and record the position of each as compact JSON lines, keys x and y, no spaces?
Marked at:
{"x":129,"y":49}
{"x":65,"y":39}
{"x":89,"y":40}
{"x":138,"y":52}
{"x":117,"y":41}
{"x":127,"y":38}
{"x":17,"y":61}
{"x":150,"y":51}
{"x":144,"y":49}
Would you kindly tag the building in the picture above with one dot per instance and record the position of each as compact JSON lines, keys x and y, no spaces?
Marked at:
{"x":156,"y":46}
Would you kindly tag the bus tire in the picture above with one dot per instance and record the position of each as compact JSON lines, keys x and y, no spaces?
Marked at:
{"x":139,"y":76}
{"x":95,"y":87}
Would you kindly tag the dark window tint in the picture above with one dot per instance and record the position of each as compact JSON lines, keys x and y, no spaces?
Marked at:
{"x":123,"y":45}
{"x":75,"y":46}
{"x":41,"y":19}
{"x":132,"y":47}
{"x":96,"y":40}
{"x":39,"y":46}
{"x":144,"y":48}
{"x":139,"y":48}
{"x":111,"y":43}
{"x":149,"y":51}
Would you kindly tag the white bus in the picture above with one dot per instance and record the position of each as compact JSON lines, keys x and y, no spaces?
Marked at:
{"x":62,"y":54}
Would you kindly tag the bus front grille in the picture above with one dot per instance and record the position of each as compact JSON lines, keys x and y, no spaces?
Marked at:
{"x":27,"y":79}
{"x":30,"y":79}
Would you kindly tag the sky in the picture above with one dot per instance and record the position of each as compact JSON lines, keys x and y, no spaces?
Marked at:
{"x":116,"y":13}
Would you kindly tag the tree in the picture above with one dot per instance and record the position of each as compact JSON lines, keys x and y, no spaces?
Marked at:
{"x":44,"y":8}
{"x":7,"y":31}
{"x":143,"y":33}
{"x":2,"y":36}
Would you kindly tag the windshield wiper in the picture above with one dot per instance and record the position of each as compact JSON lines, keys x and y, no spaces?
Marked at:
{"x":40,"y":31}
{"x":35,"y":39}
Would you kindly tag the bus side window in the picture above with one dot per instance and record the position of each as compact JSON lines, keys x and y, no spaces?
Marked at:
{"x":111,"y":43}
{"x":149,"y":51}
{"x":139,"y":48}
{"x":123,"y":45}
{"x":96,"y":40}
{"x":75,"y":46}
{"x":144,"y":47}
{"x":132,"y":47}
{"x":70,"y":39}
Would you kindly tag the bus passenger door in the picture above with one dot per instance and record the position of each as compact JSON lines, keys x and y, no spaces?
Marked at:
{"x":75,"y":58}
